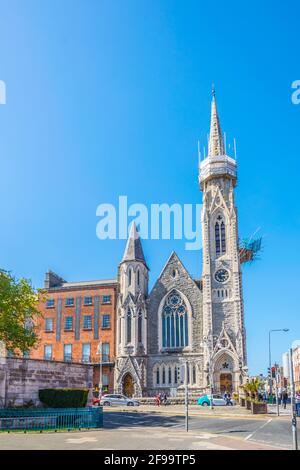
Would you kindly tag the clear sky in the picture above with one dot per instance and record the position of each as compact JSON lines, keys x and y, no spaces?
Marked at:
{"x":109,"y":98}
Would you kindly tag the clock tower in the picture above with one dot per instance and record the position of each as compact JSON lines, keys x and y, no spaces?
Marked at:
{"x":223,"y":317}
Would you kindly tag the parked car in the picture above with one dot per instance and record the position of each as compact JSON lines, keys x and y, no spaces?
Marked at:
{"x":118,"y":400}
{"x":217,"y":400}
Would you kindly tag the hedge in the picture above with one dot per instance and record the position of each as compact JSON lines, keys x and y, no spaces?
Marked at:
{"x":63,"y":397}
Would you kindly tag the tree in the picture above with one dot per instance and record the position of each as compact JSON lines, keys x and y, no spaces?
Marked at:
{"x":18,"y":313}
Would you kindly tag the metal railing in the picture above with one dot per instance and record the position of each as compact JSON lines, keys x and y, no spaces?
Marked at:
{"x":51,"y":418}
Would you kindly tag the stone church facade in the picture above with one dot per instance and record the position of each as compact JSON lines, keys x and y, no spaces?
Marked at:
{"x":184,"y":329}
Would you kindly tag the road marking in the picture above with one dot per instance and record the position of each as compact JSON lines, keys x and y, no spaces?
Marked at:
{"x":260,"y":427}
{"x":81,"y":440}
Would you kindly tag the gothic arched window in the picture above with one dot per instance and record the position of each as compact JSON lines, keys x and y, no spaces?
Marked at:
{"x":140,"y":326}
{"x":194,"y":374}
{"x":174,"y":322}
{"x":138,"y":277}
{"x":157,"y":376}
{"x":170,"y":375}
{"x":175,"y":375}
{"x":220,"y":236}
{"x":129,"y":277}
{"x":128,"y":326}
{"x":163,"y":375}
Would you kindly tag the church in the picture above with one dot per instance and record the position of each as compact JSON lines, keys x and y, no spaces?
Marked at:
{"x":186,"y":329}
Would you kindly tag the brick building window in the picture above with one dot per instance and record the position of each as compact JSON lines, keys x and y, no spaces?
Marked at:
{"x":49,"y":324}
{"x":87,"y":322}
{"x":105,"y":321}
{"x":67,"y":352}
{"x":48,"y":352}
{"x":68,"y":324}
{"x":69,"y":301}
{"x":86,"y":352}
{"x":88,"y":301}
{"x":105,"y":352}
{"x":106,"y":299}
{"x":50,"y":303}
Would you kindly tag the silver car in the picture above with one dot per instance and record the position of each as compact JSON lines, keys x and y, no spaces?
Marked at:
{"x":118,"y":400}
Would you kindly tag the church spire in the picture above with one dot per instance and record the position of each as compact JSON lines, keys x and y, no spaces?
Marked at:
{"x":134,"y":250}
{"x":216,"y":144}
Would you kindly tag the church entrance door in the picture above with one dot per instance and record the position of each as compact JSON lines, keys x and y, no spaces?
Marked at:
{"x":225,"y":383}
{"x":128,"y":385}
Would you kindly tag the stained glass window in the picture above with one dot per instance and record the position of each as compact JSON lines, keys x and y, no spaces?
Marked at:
{"x":174,"y":322}
{"x":128,"y":326}
{"x":140,"y":325}
{"x":220,"y":236}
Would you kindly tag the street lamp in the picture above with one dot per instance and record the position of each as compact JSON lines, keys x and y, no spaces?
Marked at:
{"x":270,"y":360}
{"x":294,"y":411}
{"x":208,"y":342}
{"x":99,"y":351}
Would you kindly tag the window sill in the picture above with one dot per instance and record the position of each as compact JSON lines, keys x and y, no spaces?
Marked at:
{"x":49,"y":331}
{"x":52,"y":306}
{"x":67,"y":330}
{"x":87,"y":329}
{"x":105,"y":328}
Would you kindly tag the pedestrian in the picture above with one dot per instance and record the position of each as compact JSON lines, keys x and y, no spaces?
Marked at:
{"x":284,"y":398}
{"x":225,"y":396}
{"x":165,"y":399}
{"x":228,"y":401}
{"x":297,"y":403}
{"x":157,"y":399}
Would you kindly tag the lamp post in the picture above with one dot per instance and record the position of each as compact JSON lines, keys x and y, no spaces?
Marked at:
{"x":186,"y":394}
{"x":294,"y":413}
{"x":100,"y":368}
{"x":208,"y":342}
{"x":270,"y":359}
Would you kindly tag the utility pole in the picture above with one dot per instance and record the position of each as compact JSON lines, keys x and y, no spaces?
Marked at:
{"x":211,"y":384}
{"x":100,"y":369}
{"x":186,"y":398}
{"x":276,"y":382}
{"x":294,"y":414}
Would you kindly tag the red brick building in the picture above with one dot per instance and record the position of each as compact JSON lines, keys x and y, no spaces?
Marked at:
{"x":78,"y":325}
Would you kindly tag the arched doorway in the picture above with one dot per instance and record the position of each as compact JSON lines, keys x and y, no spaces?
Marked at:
{"x":226,"y":383}
{"x":128,"y":385}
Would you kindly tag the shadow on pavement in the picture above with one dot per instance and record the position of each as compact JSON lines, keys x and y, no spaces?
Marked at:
{"x":113,"y":420}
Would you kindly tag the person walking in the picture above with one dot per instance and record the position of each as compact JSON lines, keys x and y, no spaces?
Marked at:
{"x":284,"y":398}
{"x":297,"y":402}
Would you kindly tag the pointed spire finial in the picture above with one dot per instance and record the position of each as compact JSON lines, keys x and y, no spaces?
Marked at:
{"x":216,"y":144}
{"x":213,"y":90}
{"x":134,"y":250}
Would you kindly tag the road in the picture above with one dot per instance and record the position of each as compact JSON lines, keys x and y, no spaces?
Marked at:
{"x":149,"y":430}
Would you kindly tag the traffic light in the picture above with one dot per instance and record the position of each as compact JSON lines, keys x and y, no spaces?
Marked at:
{"x":273,"y":372}
{"x":269,"y":372}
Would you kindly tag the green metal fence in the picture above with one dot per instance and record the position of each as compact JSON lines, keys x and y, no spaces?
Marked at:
{"x":51,"y":418}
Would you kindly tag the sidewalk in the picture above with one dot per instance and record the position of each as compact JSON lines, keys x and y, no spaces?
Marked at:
{"x":196,"y":410}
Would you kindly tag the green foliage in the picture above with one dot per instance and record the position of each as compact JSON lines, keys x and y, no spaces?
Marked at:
{"x":18,"y":313}
{"x":63,"y":397}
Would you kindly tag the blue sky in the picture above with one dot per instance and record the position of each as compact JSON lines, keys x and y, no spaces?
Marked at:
{"x":109,"y":98}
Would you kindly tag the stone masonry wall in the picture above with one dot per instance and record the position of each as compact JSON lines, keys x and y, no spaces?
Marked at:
{"x":21,"y":379}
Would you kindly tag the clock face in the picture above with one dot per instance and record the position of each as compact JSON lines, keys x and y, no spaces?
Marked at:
{"x":221,"y":275}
